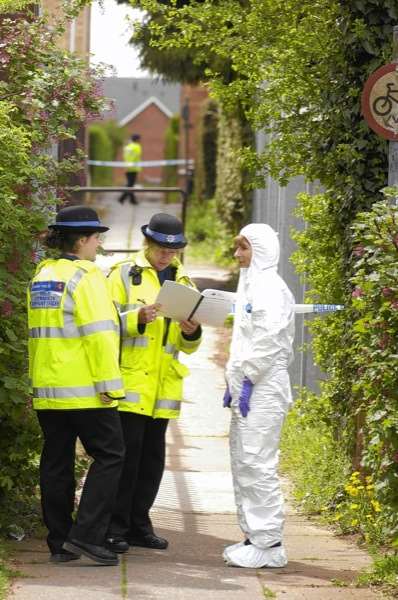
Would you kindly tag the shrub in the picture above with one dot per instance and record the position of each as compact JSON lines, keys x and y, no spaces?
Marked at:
{"x":49,"y":94}
{"x":312,"y":457}
{"x":100,"y":148}
{"x":206,"y":162}
{"x":208,"y":240}
{"x":171,"y":143}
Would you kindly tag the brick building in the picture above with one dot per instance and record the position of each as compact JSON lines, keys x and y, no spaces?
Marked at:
{"x":77,"y":34}
{"x":143,"y":106}
{"x":75,"y":39}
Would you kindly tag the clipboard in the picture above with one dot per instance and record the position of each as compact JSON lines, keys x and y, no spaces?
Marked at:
{"x":181,"y":303}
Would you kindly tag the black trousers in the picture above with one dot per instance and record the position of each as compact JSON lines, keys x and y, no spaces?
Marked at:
{"x":100,"y":433}
{"x":145,"y":442}
{"x":131,"y":177}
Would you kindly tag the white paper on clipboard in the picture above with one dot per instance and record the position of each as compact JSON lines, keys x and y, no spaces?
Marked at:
{"x":180,"y":302}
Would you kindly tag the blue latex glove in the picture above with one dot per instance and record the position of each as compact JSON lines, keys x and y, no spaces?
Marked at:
{"x":244,"y":397}
{"x":227,"y":399}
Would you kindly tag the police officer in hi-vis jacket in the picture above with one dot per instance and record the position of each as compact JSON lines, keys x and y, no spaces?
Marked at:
{"x":76,"y":384}
{"x":152,"y":376}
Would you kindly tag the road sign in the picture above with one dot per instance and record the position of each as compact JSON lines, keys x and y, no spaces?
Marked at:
{"x":380,"y":101}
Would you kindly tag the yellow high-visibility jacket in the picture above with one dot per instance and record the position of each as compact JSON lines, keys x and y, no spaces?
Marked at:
{"x":132,"y":153}
{"x":73,"y":337}
{"x":152,"y":375}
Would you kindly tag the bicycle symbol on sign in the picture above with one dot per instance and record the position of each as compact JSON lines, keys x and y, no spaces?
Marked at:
{"x":383,"y":104}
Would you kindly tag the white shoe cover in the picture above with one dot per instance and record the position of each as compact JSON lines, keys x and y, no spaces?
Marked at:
{"x":229,"y":549}
{"x":253,"y":557}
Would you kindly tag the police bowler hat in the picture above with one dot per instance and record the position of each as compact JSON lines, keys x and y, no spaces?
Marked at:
{"x":165,"y":230}
{"x":78,"y":218}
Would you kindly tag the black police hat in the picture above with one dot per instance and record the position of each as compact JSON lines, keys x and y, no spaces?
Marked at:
{"x":79,"y":219}
{"x":165,"y":230}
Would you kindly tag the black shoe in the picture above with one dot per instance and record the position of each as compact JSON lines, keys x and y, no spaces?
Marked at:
{"x":121,"y":200}
{"x":98,"y":554}
{"x":150,"y":540}
{"x":133,"y":202}
{"x":117,"y":544}
{"x":63,"y":556}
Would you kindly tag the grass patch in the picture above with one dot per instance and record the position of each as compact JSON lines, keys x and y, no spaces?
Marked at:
{"x":384,"y":572}
{"x":323,"y":485}
{"x":267,"y":593}
{"x":313,"y":460}
{"x":6,"y":574}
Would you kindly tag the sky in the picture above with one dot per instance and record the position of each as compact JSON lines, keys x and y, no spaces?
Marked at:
{"x":110,"y":32}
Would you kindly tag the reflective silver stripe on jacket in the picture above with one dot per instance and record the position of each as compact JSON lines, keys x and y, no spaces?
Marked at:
{"x":70,"y":327}
{"x":75,"y":332}
{"x":170,"y":404}
{"x":136,"y":342}
{"x":123,"y":307}
{"x":78,"y":391}
{"x":131,"y":397}
{"x":65,"y":392}
{"x":124,"y":274}
{"x":171,"y":349}
{"x":123,"y":318}
{"x":108,"y":386}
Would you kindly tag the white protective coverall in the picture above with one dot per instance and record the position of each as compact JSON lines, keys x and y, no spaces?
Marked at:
{"x":261,"y":350}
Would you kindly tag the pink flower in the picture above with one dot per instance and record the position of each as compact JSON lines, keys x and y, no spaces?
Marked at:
{"x":395,"y":457}
{"x":357,"y":293}
{"x":394,"y":305}
{"x":13,"y":264}
{"x":386,"y":291}
{"x":358,"y":250}
{"x":6,"y":308}
{"x":384,"y":341}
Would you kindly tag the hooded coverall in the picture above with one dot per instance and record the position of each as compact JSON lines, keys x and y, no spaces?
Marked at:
{"x":261,"y":350}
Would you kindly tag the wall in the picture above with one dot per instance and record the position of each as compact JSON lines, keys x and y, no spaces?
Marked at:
{"x":77,"y":35}
{"x":151,"y":125}
{"x":275,"y":205}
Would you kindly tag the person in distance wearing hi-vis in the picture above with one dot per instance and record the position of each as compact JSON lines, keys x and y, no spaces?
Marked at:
{"x":132,"y":154}
{"x":259,"y":394}
{"x":152,"y":375}
{"x":76,"y":383}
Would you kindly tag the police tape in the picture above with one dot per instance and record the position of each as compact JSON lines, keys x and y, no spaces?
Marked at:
{"x":143,"y":163}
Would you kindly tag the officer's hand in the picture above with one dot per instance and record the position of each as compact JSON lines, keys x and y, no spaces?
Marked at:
{"x":147,"y":314}
{"x":189,"y":327}
{"x":105,"y":399}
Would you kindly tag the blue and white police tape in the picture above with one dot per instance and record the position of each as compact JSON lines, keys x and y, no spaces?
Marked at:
{"x":317,"y":308}
{"x":142,"y":163}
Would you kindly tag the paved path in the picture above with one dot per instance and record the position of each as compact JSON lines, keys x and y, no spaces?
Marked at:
{"x":195,"y":511}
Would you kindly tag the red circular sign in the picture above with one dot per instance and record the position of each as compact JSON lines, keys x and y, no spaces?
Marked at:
{"x":380,"y":101}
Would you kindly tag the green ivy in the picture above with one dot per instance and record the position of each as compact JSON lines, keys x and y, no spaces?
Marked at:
{"x":206,"y":161}
{"x":375,"y":336}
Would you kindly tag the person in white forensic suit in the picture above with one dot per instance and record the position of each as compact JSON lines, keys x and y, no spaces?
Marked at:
{"x":259,"y":395}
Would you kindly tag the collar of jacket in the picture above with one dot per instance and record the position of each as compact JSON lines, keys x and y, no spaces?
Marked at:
{"x":141,"y":261}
